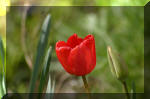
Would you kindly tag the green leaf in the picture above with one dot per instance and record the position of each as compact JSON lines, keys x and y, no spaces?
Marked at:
{"x":40,"y":52}
{"x":50,"y":85}
{"x":133,"y":91}
{"x":2,"y":68}
{"x":50,"y":88}
{"x":45,"y":70}
{"x":2,"y":53}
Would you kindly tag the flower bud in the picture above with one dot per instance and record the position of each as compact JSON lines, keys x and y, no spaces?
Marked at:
{"x":117,"y":65}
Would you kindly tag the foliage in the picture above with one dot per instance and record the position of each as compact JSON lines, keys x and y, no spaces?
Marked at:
{"x":45,"y":71}
{"x":120,"y":27}
{"x":2,"y":70}
{"x":40,"y":52}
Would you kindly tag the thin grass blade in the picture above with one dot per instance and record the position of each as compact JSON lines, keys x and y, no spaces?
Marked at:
{"x":133,"y":91}
{"x":50,"y":88}
{"x":2,"y":68}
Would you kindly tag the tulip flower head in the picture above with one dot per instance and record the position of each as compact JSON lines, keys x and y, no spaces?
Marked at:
{"x":77,"y":55}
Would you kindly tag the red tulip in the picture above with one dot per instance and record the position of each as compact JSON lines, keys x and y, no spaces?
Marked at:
{"x":77,"y":55}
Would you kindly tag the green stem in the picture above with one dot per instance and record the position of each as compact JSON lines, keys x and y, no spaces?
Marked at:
{"x":86,"y":86}
{"x":126,"y":89}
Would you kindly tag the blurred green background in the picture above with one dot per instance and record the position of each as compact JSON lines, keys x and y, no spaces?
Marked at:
{"x":82,"y":2}
{"x":120,"y":27}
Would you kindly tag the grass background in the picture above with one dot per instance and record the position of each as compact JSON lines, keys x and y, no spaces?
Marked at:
{"x":120,"y":27}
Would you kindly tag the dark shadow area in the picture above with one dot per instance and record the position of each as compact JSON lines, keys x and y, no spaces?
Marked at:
{"x":69,"y":96}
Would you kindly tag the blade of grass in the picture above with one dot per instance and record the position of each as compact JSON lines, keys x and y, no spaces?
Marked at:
{"x":1,"y":88}
{"x":45,"y":70}
{"x":2,"y":54}
{"x":2,"y":73}
{"x":50,"y":88}
{"x":40,"y":52}
{"x":133,"y":91}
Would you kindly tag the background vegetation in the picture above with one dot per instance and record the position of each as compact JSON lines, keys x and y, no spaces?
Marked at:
{"x":120,"y":27}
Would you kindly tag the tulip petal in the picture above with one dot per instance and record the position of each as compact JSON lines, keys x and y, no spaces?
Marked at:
{"x":62,"y":52}
{"x":74,"y":40}
{"x":82,"y":58}
{"x":61,"y":44}
{"x":91,"y":45}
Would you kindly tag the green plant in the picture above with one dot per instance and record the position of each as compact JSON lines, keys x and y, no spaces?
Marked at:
{"x":40,"y":52}
{"x":39,"y":61}
{"x":2,"y":72}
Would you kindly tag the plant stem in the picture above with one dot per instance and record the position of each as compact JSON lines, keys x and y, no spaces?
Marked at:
{"x":126,"y":89}
{"x":86,"y":86}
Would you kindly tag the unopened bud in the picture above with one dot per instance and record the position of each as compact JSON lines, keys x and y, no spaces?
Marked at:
{"x":117,"y":65}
